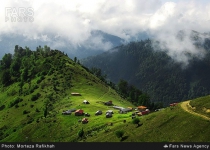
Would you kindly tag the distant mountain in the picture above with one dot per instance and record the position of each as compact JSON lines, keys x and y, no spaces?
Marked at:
{"x":97,"y":43}
{"x":155,"y":72}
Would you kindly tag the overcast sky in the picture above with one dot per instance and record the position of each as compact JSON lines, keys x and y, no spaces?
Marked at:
{"x":74,"y":19}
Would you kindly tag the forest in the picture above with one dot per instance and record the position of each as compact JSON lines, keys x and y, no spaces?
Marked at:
{"x":154,"y":72}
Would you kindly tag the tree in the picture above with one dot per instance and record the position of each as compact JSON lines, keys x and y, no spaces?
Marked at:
{"x":144,"y":99}
{"x":119,"y":133}
{"x":136,"y":121}
{"x":123,"y":87}
{"x":75,"y":59}
{"x":15,"y":67}
{"x":5,"y":78}
{"x":6,"y":61}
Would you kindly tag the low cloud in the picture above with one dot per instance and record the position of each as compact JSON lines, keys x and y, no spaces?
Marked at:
{"x":73,"y":21}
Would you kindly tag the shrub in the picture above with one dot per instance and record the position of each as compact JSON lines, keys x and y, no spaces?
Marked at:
{"x":81,"y":133}
{"x":35,"y":97}
{"x":37,"y":110}
{"x":136,"y":121}
{"x":16,"y":101}
{"x":119,"y":133}
{"x":26,"y":112}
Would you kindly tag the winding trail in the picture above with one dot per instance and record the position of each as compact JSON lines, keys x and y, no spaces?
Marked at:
{"x":188,"y":108}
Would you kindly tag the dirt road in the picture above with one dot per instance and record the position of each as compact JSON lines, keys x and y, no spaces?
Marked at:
{"x":187,"y":107}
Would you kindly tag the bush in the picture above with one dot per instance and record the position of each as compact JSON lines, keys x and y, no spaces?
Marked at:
{"x":38,"y":81}
{"x":37,"y":110}
{"x":35,"y":97}
{"x":44,"y":73}
{"x":16,"y":101}
{"x":136,"y":121}
{"x":119,"y":133}
{"x":26,"y":112}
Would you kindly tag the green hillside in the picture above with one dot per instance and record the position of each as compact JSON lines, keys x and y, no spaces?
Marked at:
{"x":47,"y":87}
{"x":33,"y":97}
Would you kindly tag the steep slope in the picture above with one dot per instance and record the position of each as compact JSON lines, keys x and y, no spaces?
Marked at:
{"x":154,"y":71}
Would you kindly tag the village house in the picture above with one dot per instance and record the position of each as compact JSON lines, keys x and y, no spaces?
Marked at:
{"x":118,"y":107}
{"x":124,"y":110}
{"x":99,"y":112}
{"x":84,"y":120}
{"x":75,"y":94}
{"x":79,"y":112}
{"x":109,"y":103}
{"x":110,"y":111}
{"x":108,"y":115}
{"x":141,"y":108}
{"x":68,"y":112}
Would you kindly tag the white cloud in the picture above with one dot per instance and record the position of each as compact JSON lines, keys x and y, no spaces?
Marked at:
{"x":75,"y":19}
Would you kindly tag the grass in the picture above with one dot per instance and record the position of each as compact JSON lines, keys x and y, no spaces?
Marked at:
{"x":201,"y":105}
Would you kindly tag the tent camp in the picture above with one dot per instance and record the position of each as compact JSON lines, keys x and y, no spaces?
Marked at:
{"x":86,"y":102}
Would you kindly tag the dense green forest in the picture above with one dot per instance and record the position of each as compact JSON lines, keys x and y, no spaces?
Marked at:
{"x":155,"y":72}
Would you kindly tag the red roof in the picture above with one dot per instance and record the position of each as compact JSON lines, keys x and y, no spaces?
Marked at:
{"x":142,"y":107}
{"x":79,"y":111}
